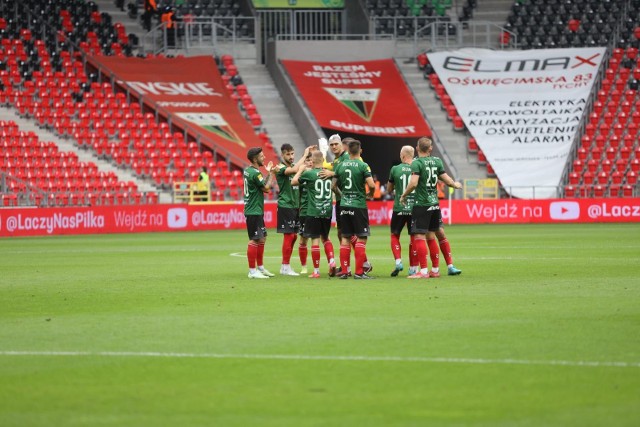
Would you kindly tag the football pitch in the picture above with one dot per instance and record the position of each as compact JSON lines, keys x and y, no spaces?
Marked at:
{"x":541,"y":329}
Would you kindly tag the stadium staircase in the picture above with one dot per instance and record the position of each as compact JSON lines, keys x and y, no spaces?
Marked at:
{"x":275,"y":116}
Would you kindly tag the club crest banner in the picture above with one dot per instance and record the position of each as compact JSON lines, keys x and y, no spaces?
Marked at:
{"x":365,"y":97}
{"x":523,"y":108}
{"x":193,"y":92}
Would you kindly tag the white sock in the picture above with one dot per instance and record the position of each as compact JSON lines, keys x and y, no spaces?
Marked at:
{"x":424,"y":270}
{"x":436,"y":270}
{"x":252,"y":270}
{"x":398,"y":261}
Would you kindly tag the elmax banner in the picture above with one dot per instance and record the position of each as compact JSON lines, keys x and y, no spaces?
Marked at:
{"x":523,"y":108}
{"x":193,"y":92}
{"x":365,"y":97}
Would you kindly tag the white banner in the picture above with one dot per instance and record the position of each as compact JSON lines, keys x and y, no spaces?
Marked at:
{"x":523,"y":108}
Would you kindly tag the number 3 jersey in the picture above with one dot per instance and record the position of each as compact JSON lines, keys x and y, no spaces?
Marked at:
{"x":351,"y":175}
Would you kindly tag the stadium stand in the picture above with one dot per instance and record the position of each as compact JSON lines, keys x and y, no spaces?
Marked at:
{"x":37,"y":173}
{"x":46,"y":80}
{"x":606,"y":161}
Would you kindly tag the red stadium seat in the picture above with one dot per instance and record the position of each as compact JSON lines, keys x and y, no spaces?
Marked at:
{"x":574,"y":178}
{"x":583,"y":153}
{"x":482,"y":159}
{"x":585,"y":142}
{"x":611,"y":153}
{"x":578,"y":166}
{"x":627,"y":191}
{"x":606,"y":166}
{"x":570,"y":191}
{"x":598,"y":191}
{"x":615,"y":191}
{"x":625,"y":153}
{"x":634,"y":165}
{"x":588,"y":178}
{"x":621,"y":165}
{"x":458,"y":123}
{"x":602,"y":178}
{"x":632,"y":178}
{"x":628,"y":140}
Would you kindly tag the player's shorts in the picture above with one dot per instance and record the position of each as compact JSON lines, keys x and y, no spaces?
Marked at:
{"x":317,"y":227}
{"x":398,"y":221}
{"x":288,"y":220}
{"x":338,"y":221}
{"x":355,"y":222}
{"x":303,"y":219}
{"x":425,"y":218}
{"x":255,"y":227}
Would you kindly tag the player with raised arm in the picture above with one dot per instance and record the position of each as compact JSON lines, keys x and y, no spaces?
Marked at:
{"x":319,"y":207}
{"x":288,"y":204}
{"x":426,"y":216}
{"x":255,"y":187}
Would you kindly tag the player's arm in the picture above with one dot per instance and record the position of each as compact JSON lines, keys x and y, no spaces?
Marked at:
{"x":267,"y":182}
{"x":390,"y":187}
{"x":326,"y":174}
{"x":413,"y":183}
{"x":449,"y":181}
{"x":296,"y":177}
{"x":293,"y":169}
{"x":371,"y":186}
{"x":336,"y":188}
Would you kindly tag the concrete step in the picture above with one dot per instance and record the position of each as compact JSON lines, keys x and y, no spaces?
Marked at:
{"x":275,"y":116}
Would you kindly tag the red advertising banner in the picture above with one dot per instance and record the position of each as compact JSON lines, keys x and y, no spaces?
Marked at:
{"x":193,"y":92}
{"x":518,"y":211}
{"x":15,"y":222}
{"x":364,"y":97}
{"x":126,"y":219}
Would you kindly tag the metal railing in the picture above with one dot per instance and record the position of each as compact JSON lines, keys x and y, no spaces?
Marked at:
{"x":441,"y":35}
{"x":200,"y":33}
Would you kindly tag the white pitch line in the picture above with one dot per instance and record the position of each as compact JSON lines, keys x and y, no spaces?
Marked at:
{"x":450,"y":360}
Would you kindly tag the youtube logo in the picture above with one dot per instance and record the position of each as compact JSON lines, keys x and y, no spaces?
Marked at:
{"x":177,"y":218}
{"x":564,"y":211}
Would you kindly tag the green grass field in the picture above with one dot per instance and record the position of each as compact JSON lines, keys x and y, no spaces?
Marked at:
{"x":541,"y":329}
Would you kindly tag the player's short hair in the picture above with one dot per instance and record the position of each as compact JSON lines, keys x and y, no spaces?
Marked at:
{"x":347,"y":140}
{"x":316,"y":155}
{"x":253,"y":153}
{"x":335,"y":137}
{"x":424,"y":144}
{"x":286,"y":147}
{"x":354,"y":146}
{"x":408,"y":150}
